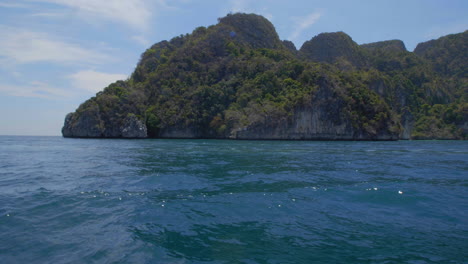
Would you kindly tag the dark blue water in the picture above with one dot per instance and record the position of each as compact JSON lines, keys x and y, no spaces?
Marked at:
{"x":208,"y":201}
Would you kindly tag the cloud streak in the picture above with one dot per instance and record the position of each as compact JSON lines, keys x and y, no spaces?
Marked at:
{"x":13,"y":5}
{"x":303,"y":23}
{"x":82,"y":82}
{"x":22,"y":46}
{"x":134,"y":13}
{"x":35,"y":89}
{"x":94,"y":81}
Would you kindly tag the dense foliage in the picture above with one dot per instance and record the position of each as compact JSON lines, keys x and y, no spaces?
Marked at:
{"x":238,"y":74}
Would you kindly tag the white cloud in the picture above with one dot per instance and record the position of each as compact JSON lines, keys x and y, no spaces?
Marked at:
{"x":90,"y":81}
{"x":34,"y":89}
{"x":134,"y":13}
{"x":94,"y":81}
{"x":303,"y":23}
{"x":23,"y":46}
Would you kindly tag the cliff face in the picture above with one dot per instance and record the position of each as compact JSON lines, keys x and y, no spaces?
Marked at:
{"x":113,"y":113}
{"x":85,"y":125}
{"x":290,"y":46}
{"x":388,"y":46}
{"x":90,"y":125}
{"x":333,"y":48}
{"x":448,"y":55}
{"x":325,"y":117}
{"x":252,"y":30}
{"x":238,"y":80}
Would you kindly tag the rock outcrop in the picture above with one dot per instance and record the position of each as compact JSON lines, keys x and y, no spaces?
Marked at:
{"x":252,"y":30}
{"x":333,"y":48}
{"x":395,"y":45}
{"x":290,"y":46}
{"x":133,"y":128}
{"x":238,"y":80}
{"x":89,"y":124}
{"x":323,"y":118}
{"x":448,"y":55}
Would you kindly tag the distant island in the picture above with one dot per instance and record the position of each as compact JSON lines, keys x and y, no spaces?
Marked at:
{"x":238,"y":80}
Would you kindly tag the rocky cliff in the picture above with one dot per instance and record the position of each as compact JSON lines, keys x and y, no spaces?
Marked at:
{"x":448,"y":55}
{"x":238,"y":80}
{"x":325,"y":117}
{"x":334,"y":48}
{"x":395,"y":45}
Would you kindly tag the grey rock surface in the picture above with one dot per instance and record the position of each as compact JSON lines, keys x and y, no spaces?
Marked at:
{"x":86,"y":124}
{"x":133,"y":128}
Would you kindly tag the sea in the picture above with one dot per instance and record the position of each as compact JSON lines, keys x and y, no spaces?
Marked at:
{"x":68,"y":200}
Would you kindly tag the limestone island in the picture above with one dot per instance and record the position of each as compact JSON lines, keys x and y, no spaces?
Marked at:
{"x":238,"y":80}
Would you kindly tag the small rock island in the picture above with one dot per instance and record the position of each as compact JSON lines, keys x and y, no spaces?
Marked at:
{"x":238,"y":80}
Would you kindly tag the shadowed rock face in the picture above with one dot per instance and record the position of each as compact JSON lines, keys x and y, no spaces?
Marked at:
{"x":253,"y":30}
{"x":133,"y":128}
{"x":447,"y":54}
{"x":90,"y":125}
{"x":332,"y":48}
{"x":86,"y":124}
{"x":323,"y":118}
{"x":290,"y":46}
{"x":238,"y":80}
{"x":388,"y":45}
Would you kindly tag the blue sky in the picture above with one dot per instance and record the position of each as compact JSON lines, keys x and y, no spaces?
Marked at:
{"x":54,"y":54}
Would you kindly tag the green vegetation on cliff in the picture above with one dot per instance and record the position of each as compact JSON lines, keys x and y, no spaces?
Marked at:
{"x":237,"y":79}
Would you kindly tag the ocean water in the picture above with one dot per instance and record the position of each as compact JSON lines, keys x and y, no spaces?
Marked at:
{"x":219,"y":201}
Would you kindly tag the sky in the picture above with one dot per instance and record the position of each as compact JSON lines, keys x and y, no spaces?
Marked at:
{"x":55,"y":54}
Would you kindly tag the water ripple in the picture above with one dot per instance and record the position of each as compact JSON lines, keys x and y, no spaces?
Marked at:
{"x":217,"y":201}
